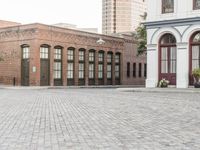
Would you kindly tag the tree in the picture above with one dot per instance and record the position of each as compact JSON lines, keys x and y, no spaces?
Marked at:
{"x":141,"y":36}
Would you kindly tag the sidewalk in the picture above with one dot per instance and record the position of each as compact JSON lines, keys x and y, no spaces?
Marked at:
{"x":68,"y":87}
{"x":160,"y":90}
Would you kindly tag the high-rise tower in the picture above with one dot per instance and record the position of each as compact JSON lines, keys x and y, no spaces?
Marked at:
{"x":122,"y":15}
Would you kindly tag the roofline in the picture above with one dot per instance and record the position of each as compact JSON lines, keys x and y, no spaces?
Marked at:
{"x":52,"y":26}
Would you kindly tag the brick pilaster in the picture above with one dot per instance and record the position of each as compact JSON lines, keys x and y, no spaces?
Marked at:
{"x":64,"y":66}
{"x":76,"y":66}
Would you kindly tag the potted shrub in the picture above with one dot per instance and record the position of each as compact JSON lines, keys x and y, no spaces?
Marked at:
{"x":196,"y":76}
{"x":163,"y":83}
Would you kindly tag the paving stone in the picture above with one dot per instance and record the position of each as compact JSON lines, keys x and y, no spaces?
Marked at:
{"x":51,"y":119}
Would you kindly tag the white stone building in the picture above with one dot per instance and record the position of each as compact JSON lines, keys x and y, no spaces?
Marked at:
{"x":173,"y":41}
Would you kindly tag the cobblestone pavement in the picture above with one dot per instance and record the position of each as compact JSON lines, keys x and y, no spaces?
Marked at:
{"x":98,"y":119}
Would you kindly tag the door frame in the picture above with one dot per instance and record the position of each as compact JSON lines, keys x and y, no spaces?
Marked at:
{"x":168,"y":46}
{"x":191,"y":44}
{"x":26,"y":60}
{"x":48,"y":60}
{"x":22,"y":70}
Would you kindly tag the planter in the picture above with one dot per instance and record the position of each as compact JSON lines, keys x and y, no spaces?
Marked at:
{"x":197,"y":85}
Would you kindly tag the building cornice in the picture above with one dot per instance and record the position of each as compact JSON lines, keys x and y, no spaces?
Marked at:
{"x":172,"y":22}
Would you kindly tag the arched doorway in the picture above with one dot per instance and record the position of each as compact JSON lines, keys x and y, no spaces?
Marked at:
{"x":44,"y":65}
{"x":167,"y":58}
{"x":194,"y":54}
{"x":25,"y":65}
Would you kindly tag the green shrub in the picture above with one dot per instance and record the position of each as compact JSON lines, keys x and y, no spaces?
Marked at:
{"x":196,"y":73}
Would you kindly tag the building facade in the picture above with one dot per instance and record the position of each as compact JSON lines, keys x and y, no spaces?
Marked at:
{"x":173,"y":41}
{"x":122,"y":15}
{"x":44,"y":55}
{"x":135,"y":67}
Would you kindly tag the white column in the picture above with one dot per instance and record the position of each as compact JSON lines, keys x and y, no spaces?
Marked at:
{"x":182,"y":75}
{"x":152,"y":66}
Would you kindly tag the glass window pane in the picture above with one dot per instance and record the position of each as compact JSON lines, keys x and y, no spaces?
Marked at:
{"x":164,"y":66}
{"x":70,"y":54}
{"x":91,"y":56}
{"x":57,"y":70}
{"x":44,"y":52}
{"x":109,"y":71}
{"x":109,"y":58}
{"x":173,"y":53}
{"x":117,"y":58}
{"x":57,"y":54}
{"x":117,"y":71}
{"x":173,"y":67}
{"x":101,"y":56}
{"x":167,"y":6}
{"x":26,"y":52}
{"x":81,"y":70}
{"x":195,"y":57}
{"x":81,"y":55}
{"x":100,"y":71}
{"x":164,"y":54}
{"x":196,"y":4}
{"x":195,"y":52}
{"x":195,"y":64}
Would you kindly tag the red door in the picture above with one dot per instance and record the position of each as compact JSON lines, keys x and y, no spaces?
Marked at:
{"x":168,"y":63}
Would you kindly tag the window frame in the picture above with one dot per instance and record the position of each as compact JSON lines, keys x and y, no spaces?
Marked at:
{"x":100,"y":70}
{"x":25,"y":52}
{"x":163,"y":10}
{"x":58,"y":54}
{"x":195,"y":6}
{"x":44,"y":54}
{"x":70,"y":56}
{"x":70,"y":72}
{"x":57,"y":70}
{"x":81,"y":70}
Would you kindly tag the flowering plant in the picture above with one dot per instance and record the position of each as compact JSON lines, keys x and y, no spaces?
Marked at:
{"x":196,"y":76}
{"x":163,"y":83}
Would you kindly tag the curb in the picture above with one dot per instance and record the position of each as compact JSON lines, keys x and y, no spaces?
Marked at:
{"x":67,"y":87}
{"x":160,"y":90}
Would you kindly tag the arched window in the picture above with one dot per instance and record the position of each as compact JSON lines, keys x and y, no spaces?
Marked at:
{"x":195,"y":51}
{"x":168,"y":58}
{"x":57,"y":68}
{"x":101,"y":67}
{"x":91,"y":70}
{"x":70,"y":65}
{"x":81,"y":68}
{"x":109,"y":67}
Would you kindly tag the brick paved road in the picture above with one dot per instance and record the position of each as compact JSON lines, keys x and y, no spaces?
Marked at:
{"x":98,"y":119}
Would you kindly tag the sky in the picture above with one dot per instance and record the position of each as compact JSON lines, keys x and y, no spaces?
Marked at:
{"x":83,"y":13}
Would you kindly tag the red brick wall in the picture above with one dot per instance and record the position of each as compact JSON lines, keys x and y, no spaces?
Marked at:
{"x":10,"y":66}
{"x":130,"y":55}
{"x":35,"y":35}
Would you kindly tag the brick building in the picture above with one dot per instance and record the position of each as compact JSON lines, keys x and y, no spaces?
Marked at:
{"x":38,"y":54}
